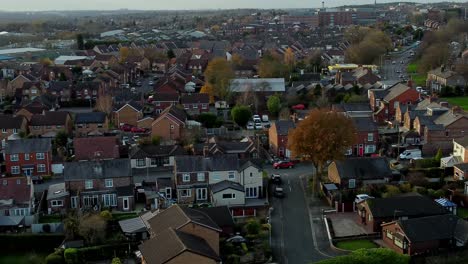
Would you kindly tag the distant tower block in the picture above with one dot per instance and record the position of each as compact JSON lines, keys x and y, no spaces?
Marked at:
{"x":323,"y":4}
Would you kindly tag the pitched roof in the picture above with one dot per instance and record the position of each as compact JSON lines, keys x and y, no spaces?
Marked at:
{"x":49,"y":119}
{"x":171,"y":243}
{"x":102,"y":169}
{"x":20,"y":193}
{"x":396,"y":91}
{"x":429,"y":228}
{"x":148,"y":151}
{"x":283,"y":126}
{"x":448,"y":118}
{"x":197,"y":98}
{"x":462,"y":141}
{"x":176,"y":217}
{"x":30,"y":145}
{"x":363,"y":168}
{"x":223,"y":185}
{"x":135,"y":105}
{"x":166,"y":97}
{"x":219,"y":214}
{"x":173,"y":111}
{"x":363,"y":124}
{"x":90,"y":118}
{"x":10,"y":122}
{"x":226,"y":162}
{"x":96,"y":148}
{"x":404,"y":205}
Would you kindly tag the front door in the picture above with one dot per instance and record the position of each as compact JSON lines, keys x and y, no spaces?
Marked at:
{"x":28,"y":172}
{"x":201,"y":194}
{"x":126,"y":204}
{"x":361,"y":150}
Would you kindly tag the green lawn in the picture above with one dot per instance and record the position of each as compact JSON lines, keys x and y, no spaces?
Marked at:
{"x":50,"y":219}
{"x":123,"y":216}
{"x":418,"y":79}
{"x":412,"y":68}
{"x":462,"y":212}
{"x":30,"y":258}
{"x":461,"y":101}
{"x":356,"y":244}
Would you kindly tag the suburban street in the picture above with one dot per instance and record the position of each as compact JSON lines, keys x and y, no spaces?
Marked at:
{"x":298,"y":231}
{"x":391,"y":72}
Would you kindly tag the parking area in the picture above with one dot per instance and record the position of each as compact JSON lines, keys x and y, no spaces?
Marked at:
{"x":346,"y":224}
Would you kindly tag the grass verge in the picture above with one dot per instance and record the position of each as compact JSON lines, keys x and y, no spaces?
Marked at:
{"x":356,"y":244}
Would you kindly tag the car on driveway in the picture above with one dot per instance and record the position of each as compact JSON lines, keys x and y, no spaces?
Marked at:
{"x":298,"y":107}
{"x":138,"y":130}
{"x":37,"y":179}
{"x":362,"y":197}
{"x":283,"y":165}
{"x":278,"y":192}
{"x":258,"y":125}
{"x":250,"y":126}
{"x":276,"y":178}
{"x":150,"y":83}
{"x":236,"y":239}
{"x":126,"y":128}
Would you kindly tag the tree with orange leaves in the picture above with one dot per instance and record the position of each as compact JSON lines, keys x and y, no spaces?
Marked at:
{"x":322,"y":136}
{"x":289,"y":59}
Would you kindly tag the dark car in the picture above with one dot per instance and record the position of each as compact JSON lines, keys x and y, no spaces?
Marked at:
{"x":283,"y":165}
{"x":37,"y":179}
{"x":278,"y":192}
{"x":276,"y":178}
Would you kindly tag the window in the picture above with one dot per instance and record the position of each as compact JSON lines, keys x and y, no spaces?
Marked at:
{"x":168,"y":192}
{"x":216,"y":177}
{"x":154,"y":162}
{"x":26,"y":156}
{"x":370,"y":137}
{"x":109,"y":200}
{"x":56,"y":203}
{"x":185,"y":193}
{"x":204,"y":106}
{"x":80,"y":125}
{"x":15,"y":131}
{"x":231,"y":175}
{"x":88,"y":184}
{"x":186,"y":106}
{"x":195,"y":106}
{"x":41,"y":168}
{"x":352,"y":183}
{"x":18,"y":181}
{"x":370,"y":149}
{"x":389,"y":234}
{"x":15,"y":170}
{"x":48,"y":127}
{"x":200,"y":176}
{"x":4,"y":130}
{"x":14,"y":157}
{"x":58,"y":126}
{"x":251,"y":192}
{"x":21,"y":212}
{"x":202,"y":194}
{"x":99,"y":125}
{"x":158,"y":103}
{"x":141,"y":162}
{"x":90,"y":200}
{"x":186,"y":177}
{"x":40,"y":156}
{"x":229,"y":196}
{"x":447,"y":133}
{"x":74,"y":202}
{"x":398,"y":242}
{"x":109,"y":183}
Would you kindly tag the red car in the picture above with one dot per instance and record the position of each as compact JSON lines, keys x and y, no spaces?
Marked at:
{"x":298,"y":107}
{"x":138,"y":130}
{"x":283,"y":165}
{"x":126,"y":128}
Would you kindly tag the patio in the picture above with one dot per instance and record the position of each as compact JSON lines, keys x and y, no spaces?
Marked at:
{"x":347,"y":224}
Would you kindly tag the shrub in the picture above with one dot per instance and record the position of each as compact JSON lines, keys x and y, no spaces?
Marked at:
{"x":106,"y":215}
{"x":241,"y":114}
{"x":405,"y":187}
{"x":391,"y":191}
{"x":54,"y":258}
{"x":71,"y":256}
{"x":244,"y":247}
{"x":116,"y":261}
{"x":253,"y":227}
{"x":233,"y":259}
{"x":426,"y":163}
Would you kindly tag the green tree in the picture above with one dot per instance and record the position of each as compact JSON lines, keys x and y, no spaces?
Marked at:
{"x":274,"y":104}
{"x":252,"y":227}
{"x":61,"y":138}
{"x":171,"y":54}
{"x":272,"y":67}
{"x":218,"y":74}
{"x":106,"y":215}
{"x":208,"y":120}
{"x":439,"y":155}
{"x":71,"y":256}
{"x":241,"y":114}
{"x":116,"y":261}
{"x":391,"y":191}
{"x":55,"y":258}
{"x":80,"y":41}
{"x":92,"y":228}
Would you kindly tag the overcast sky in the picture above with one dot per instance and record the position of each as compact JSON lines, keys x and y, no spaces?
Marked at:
{"x":34,"y":5}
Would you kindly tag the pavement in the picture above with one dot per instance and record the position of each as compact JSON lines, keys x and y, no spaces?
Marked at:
{"x":345,"y":224}
{"x":298,"y":230}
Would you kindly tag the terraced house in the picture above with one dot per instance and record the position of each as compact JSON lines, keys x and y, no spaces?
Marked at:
{"x":28,"y":157}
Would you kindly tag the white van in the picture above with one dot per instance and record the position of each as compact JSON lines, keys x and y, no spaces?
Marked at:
{"x":410,"y":154}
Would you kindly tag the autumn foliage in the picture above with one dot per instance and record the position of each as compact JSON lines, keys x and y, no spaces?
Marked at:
{"x":322,"y":136}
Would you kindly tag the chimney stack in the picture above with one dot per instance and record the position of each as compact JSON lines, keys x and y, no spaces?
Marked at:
{"x":205,"y":151}
{"x":456,"y":110}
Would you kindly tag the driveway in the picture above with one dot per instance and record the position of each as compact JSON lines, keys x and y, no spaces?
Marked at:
{"x":298,"y":231}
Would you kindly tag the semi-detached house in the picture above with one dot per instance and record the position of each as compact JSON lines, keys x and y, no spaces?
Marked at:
{"x":28,"y":157}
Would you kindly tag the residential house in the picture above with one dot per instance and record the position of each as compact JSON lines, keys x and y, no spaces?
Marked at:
{"x":58,"y":198}
{"x":353,"y":109}
{"x":278,"y":137}
{"x":91,"y":124}
{"x":460,"y":171}
{"x":397,"y":94}
{"x":367,"y":137}
{"x":34,"y":108}
{"x":16,"y":201}
{"x":148,"y":158}
{"x":162,"y":101}
{"x":100,"y":184}
{"x":357,"y":76}
{"x":62,"y":89}
{"x":196,"y":103}
{"x":459,"y":153}
{"x":375,"y":97}
{"x":264,"y":86}
{"x":96,"y":148}
{"x":19,"y":80}
{"x":170,"y":124}
{"x":128,"y":113}
{"x":181,"y":235}
{"x":145,"y":122}
{"x":376,"y":211}
{"x":245,"y":149}
{"x":28,"y":157}
{"x":425,"y":234}
{"x":353,"y":173}
{"x":221,"y":215}
{"x":50,"y":123}
{"x":12,"y":125}
{"x":440,"y":77}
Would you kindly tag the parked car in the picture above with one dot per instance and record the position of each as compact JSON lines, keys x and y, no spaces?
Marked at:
{"x":298,"y":107}
{"x":37,"y":179}
{"x":138,"y":83}
{"x":278,"y":192}
{"x":250,"y":126}
{"x":265,"y":119}
{"x":276,"y":178}
{"x":258,"y":125}
{"x":150,"y":83}
{"x":256,"y":119}
{"x":283,"y":164}
{"x":138,"y":130}
{"x":126,"y":128}
{"x":411,"y":154}
{"x":362,"y":197}
{"x":236,"y":239}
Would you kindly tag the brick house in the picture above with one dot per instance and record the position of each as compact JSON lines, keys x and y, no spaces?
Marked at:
{"x":34,"y":108}
{"x":162,"y":101}
{"x":440,"y":77}
{"x":17,"y":196}
{"x":397,"y":94}
{"x":374,"y":212}
{"x":10,"y":125}
{"x":128,"y":113}
{"x":375,"y":97}
{"x":358,"y":76}
{"x":92,"y":148}
{"x":353,"y":173}
{"x":425,"y":234}
{"x":169,"y":125}
{"x":100,"y":184}
{"x":367,"y":136}
{"x":28,"y":157}
{"x":459,"y":153}
{"x":58,"y":198}
{"x":145,"y":122}
{"x":94,"y":123}
{"x":196,"y":103}
{"x":278,"y":137}
{"x":49,"y":124}
{"x":245,"y":149}
{"x":181,"y":235}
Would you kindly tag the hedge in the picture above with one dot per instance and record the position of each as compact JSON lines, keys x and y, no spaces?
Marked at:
{"x":430,"y":172}
{"x":105,"y":252}
{"x":30,"y":242}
